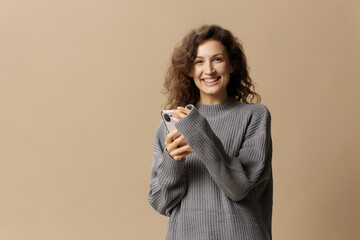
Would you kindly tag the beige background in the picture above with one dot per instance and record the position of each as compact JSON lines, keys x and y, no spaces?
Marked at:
{"x":80,"y":101}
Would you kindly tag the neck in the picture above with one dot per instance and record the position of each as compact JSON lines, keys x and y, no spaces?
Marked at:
{"x":212,"y":100}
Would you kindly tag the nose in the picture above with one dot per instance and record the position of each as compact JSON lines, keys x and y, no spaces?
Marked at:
{"x":209,"y":69}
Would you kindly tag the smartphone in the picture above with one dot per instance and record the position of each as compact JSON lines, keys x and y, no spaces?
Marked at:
{"x":168,"y":118}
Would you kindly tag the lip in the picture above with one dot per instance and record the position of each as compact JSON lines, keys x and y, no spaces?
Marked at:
{"x":213,"y":83}
{"x":210,"y":78}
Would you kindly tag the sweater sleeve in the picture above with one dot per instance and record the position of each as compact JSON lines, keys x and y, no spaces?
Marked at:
{"x":236,"y":176}
{"x":168,"y":177}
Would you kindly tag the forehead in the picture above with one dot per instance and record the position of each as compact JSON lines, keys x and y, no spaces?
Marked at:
{"x":209,"y":48}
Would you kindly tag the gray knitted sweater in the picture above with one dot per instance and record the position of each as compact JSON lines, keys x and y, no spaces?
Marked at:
{"x":223,"y":190}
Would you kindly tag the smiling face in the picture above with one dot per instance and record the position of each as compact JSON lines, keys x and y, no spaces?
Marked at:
{"x":211,"y":72}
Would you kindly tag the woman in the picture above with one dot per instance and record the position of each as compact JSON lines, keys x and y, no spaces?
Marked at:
{"x":219,"y":186}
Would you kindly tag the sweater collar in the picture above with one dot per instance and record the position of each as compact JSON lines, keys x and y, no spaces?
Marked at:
{"x":217,"y":109}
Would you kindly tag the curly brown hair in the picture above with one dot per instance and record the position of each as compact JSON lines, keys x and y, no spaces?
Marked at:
{"x":180,"y":87}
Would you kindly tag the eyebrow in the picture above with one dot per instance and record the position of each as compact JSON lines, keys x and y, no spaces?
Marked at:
{"x":211,"y":56}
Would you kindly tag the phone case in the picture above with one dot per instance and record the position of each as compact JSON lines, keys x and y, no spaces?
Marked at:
{"x":168,"y":118}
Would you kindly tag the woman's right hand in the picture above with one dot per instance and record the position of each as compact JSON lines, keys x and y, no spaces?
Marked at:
{"x":172,"y":146}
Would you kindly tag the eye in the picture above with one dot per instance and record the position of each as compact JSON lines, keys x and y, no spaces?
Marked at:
{"x":198,"y":61}
{"x":218,"y":59}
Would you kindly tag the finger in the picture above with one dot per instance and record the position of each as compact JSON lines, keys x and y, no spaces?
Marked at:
{"x":170,"y":136}
{"x":181,"y":156}
{"x":175,"y":119}
{"x":178,"y":140}
{"x":183,"y":149}
{"x":185,"y":111}
{"x":180,"y":114}
{"x":188,"y":149}
{"x":173,"y":133}
{"x":173,"y":144}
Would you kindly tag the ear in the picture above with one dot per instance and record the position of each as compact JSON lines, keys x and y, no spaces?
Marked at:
{"x":191,"y":71}
{"x":231,"y":69}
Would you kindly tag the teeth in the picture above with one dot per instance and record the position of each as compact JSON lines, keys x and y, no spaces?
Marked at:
{"x":210,"y":80}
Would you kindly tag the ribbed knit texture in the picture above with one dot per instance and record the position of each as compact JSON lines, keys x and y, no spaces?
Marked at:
{"x":222,"y":191}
